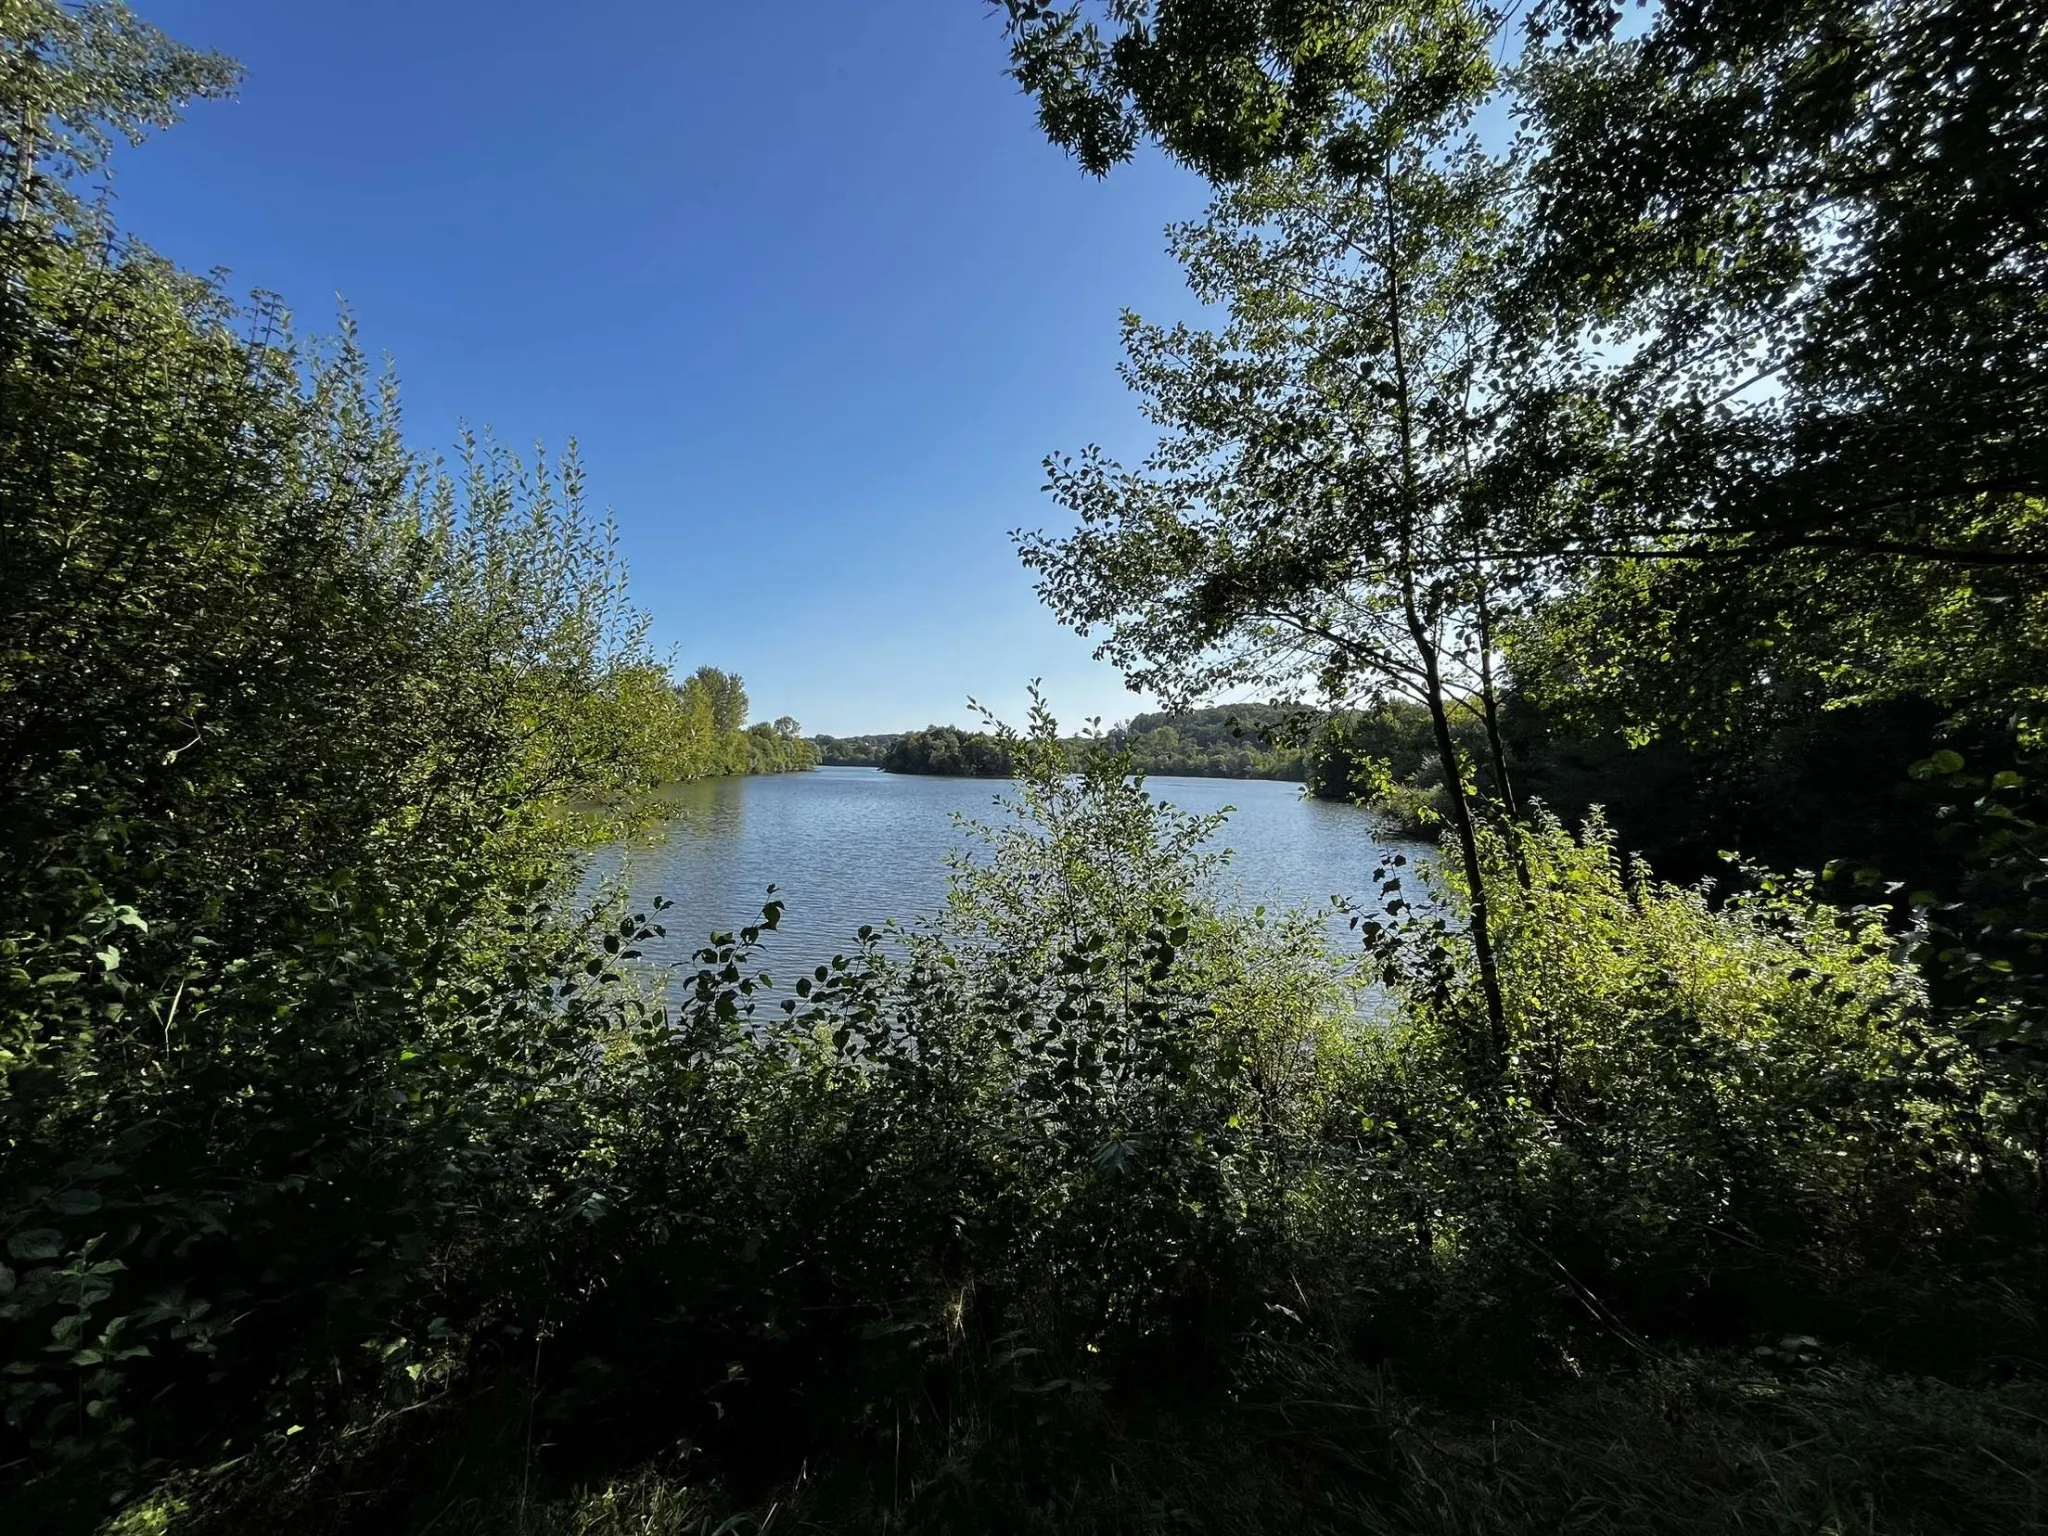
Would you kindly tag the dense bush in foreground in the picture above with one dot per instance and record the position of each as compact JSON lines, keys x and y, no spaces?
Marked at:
{"x":1107,"y":1210}
{"x":298,"y":735}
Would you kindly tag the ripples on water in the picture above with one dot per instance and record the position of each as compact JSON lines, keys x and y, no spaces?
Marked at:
{"x":847,"y":846}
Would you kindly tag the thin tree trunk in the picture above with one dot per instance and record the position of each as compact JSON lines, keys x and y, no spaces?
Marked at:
{"x":1426,"y":652}
{"x":1489,"y":702}
{"x":1468,"y":845}
{"x":24,"y":167}
{"x":1490,"y":706}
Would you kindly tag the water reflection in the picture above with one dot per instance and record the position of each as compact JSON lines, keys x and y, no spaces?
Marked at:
{"x":847,"y":846}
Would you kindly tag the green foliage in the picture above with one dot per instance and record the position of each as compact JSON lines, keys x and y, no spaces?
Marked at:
{"x":1317,"y":509}
{"x":1084,"y":854}
{"x":705,"y":722}
{"x":1834,"y":198}
{"x":1713,"y":653}
{"x":1387,"y":758}
{"x":855,"y":751}
{"x":1312,"y":511}
{"x":1987,"y":945}
{"x":1802,"y":791}
{"x":1235,"y":741}
{"x":941,"y":749}
{"x":724,"y":696}
{"x":1719,"y":195}
{"x":1100,"y":1187}
{"x":1227,"y":88}
{"x":349,"y":1178}
{"x":1229,"y":741}
{"x":1774,"y":429}
{"x":73,"y":78}
{"x":1820,"y":361}
{"x":299,"y":738}
{"x":1775,"y":1039}
{"x":773,"y":751}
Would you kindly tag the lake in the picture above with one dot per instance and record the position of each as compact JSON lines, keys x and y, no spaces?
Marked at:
{"x":847,"y":846}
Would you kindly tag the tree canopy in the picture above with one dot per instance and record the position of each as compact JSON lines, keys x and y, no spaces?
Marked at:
{"x":1780,"y":268}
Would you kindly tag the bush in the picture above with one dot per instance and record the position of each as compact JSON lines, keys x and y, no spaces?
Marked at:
{"x":1722,"y":1122}
{"x":1053,"y":1187}
{"x":299,"y":742}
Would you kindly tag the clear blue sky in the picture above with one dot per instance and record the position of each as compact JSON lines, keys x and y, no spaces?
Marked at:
{"x":803,"y":279}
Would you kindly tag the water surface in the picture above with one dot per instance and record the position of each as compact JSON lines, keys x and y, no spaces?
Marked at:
{"x":847,"y":846}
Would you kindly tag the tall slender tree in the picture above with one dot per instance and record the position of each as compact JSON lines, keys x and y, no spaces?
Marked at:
{"x":1794,"y":247}
{"x":1317,"y":507}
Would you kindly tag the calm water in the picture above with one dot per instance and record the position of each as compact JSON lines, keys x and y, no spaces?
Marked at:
{"x":847,"y":846}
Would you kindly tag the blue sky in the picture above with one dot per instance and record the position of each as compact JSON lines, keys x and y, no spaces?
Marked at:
{"x":804,"y":280}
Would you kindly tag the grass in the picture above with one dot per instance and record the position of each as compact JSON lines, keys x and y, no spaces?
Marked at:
{"x":1700,"y":1446}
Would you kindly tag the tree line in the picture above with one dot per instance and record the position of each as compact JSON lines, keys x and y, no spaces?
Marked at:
{"x":1231,"y":741}
{"x":1805,"y":790}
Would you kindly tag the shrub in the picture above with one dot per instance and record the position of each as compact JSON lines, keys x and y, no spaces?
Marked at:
{"x":1720,"y":1119}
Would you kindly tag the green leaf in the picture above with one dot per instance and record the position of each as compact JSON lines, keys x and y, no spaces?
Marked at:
{"x":36,"y":1244}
